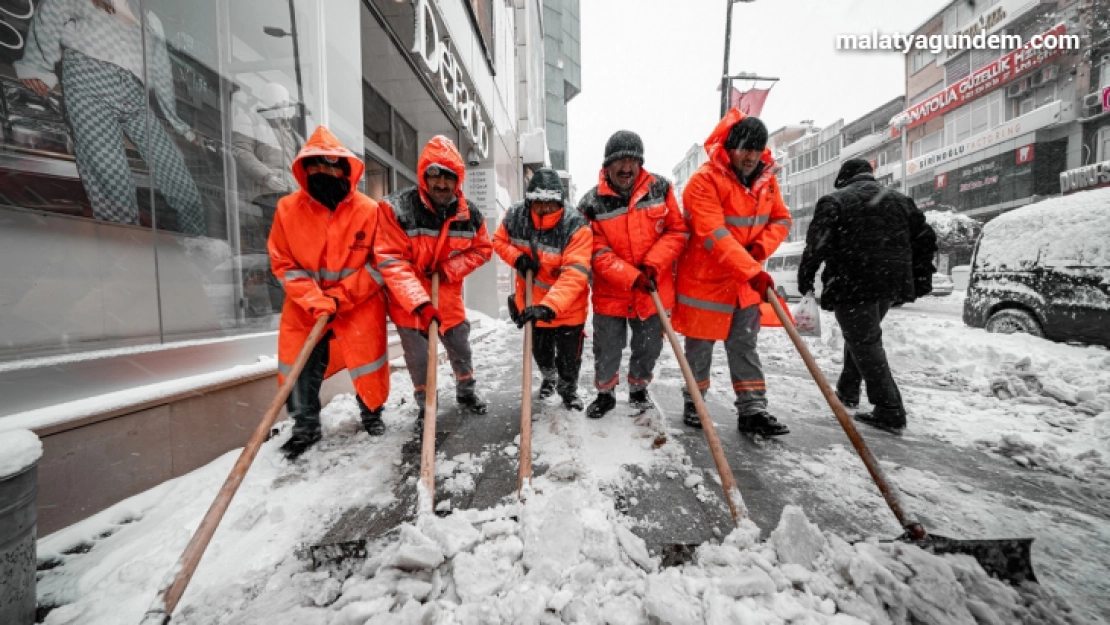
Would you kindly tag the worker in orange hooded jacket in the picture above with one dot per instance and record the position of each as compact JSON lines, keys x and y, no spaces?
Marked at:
{"x":638,"y":233}
{"x":320,"y":250}
{"x":540,"y":235}
{"x":429,"y":229}
{"x":737,"y":219}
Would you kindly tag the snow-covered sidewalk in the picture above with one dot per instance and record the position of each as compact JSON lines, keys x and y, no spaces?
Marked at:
{"x":571,"y":555}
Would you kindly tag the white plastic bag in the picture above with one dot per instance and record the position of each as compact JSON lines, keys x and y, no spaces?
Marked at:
{"x":807,"y":316}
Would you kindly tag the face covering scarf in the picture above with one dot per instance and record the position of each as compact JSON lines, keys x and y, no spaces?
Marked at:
{"x":328,"y":190}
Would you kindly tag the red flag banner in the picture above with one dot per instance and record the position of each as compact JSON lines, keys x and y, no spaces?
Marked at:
{"x":749,"y":102}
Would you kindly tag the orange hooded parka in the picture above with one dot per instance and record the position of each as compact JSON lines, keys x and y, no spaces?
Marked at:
{"x":724,"y":218}
{"x":414,"y":241}
{"x":324,"y":259}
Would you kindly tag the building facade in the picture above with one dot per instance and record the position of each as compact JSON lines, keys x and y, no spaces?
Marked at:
{"x":139,"y":214}
{"x":563,"y":77}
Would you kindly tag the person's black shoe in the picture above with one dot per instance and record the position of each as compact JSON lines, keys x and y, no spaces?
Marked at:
{"x":571,"y":401}
{"x":690,"y":414}
{"x":891,"y":423}
{"x":600,"y":405}
{"x":547,"y":389}
{"x":761,"y":423}
{"x":418,"y":427}
{"x":299,"y":443}
{"x":372,"y":422}
{"x":639,"y":400}
{"x":472,"y":403}
{"x":850,"y":404}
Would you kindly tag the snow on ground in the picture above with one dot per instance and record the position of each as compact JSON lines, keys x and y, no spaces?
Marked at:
{"x":1045,"y":405}
{"x":567,"y":555}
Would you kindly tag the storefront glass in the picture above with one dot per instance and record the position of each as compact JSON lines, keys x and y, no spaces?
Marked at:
{"x":144,"y":147}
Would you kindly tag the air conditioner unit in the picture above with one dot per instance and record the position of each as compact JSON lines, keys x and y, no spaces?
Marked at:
{"x":1092,"y":99}
{"x":1052,"y":72}
{"x":1036,"y":80}
{"x":1016,"y":89}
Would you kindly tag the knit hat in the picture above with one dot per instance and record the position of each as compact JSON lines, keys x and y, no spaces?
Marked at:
{"x":623,"y":144}
{"x":334,"y":161}
{"x":850,"y":169}
{"x":747,"y":134}
{"x":545,"y":186}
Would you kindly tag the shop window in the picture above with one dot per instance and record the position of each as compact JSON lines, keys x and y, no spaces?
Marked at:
{"x":1102,"y":147}
{"x":377,"y":178}
{"x":405,"y":148}
{"x":376,"y":118}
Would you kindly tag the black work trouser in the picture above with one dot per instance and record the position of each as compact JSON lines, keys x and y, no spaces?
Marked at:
{"x":558,"y":354}
{"x":865,"y":358}
{"x":303,"y":403}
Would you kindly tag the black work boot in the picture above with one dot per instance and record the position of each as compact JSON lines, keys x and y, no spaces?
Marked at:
{"x":371,"y":419}
{"x":639,"y":400}
{"x":571,"y":400}
{"x":472,"y":403}
{"x":690,"y":413}
{"x":421,"y":404}
{"x":547,"y":389}
{"x":605,"y":401}
{"x":893,"y":421}
{"x":303,"y":403}
{"x":761,"y":423}
{"x":299,"y":443}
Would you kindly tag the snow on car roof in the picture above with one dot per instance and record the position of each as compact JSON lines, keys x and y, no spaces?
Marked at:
{"x":1073,"y":228}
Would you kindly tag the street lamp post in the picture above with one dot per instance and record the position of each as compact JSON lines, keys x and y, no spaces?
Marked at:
{"x":278,"y":32}
{"x":728,"y":45}
{"x":901,"y":121}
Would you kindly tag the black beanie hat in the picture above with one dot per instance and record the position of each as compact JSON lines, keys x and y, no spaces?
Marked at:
{"x":337,"y":161}
{"x":747,"y":134}
{"x":850,"y":169}
{"x":623,"y":144}
{"x":545,"y":186}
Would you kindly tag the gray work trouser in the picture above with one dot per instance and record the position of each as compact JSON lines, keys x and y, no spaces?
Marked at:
{"x":103,"y":103}
{"x":743,"y":361}
{"x":610,"y":338}
{"x":455,"y":341}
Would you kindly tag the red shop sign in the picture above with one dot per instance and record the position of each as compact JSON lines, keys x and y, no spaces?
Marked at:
{"x":1015,"y":64}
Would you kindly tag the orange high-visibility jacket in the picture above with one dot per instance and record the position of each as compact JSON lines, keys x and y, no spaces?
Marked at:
{"x":563,"y":281}
{"x":414,"y":242}
{"x":324,"y":261}
{"x":725,"y":216}
{"x":648,"y":230}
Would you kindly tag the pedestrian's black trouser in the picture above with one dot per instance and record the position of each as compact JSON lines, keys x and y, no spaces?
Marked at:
{"x":558,"y":354}
{"x":865,"y":358}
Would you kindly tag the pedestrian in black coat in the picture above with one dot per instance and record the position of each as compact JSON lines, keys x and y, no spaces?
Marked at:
{"x":877,"y":251}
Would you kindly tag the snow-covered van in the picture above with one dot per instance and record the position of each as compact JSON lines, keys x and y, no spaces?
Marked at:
{"x":1044,"y":269}
{"x":783,"y":267}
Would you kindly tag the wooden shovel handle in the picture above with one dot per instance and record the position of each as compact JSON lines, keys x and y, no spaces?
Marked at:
{"x":525,"y":467}
{"x":735,"y":502}
{"x":162,"y":608}
{"x":890,"y":494}
{"x":428,"y":444}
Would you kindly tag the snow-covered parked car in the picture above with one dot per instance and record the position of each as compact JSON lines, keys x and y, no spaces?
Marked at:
{"x":942,"y":284}
{"x":1045,"y":270}
{"x":783,"y":267}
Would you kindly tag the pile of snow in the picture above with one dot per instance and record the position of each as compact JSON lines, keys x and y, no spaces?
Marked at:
{"x":1074,"y":228}
{"x":567,"y":556}
{"x":19,"y":449}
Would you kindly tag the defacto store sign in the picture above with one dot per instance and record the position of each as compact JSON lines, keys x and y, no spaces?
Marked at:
{"x":441,"y":61}
{"x":1089,"y":177}
{"x":1029,"y":122}
{"x":1015,"y":64}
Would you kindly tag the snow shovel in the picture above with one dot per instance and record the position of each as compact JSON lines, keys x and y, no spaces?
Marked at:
{"x":524,"y":472}
{"x":428,"y":446}
{"x":161,"y":610}
{"x":1008,"y":559}
{"x":735,"y":502}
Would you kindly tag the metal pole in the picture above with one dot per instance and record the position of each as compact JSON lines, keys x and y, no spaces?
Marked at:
{"x":297,"y":68}
{"x":905,"y":157}
{"x":724,"y":71}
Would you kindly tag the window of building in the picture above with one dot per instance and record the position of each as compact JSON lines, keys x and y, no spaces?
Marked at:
{"x":925,"y":95}
{"x":404,"y":147}
{"x":921,"y":59}
{"x":928,"y":143}
{"x":956,"y":69}
{"x":481,"y":11}
{"x":1105,"y":73}
{"x":1025,"y":105}
{"x":1102,"y":145}
{"x":377,"y":124}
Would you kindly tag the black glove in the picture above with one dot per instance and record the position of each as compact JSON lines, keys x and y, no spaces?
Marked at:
{"x":514,"y":312}
{"x":524,"y":263}
{"x":535,"y":313}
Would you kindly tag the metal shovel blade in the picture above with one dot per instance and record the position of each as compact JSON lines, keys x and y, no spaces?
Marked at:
{"x":1008,"y":559}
